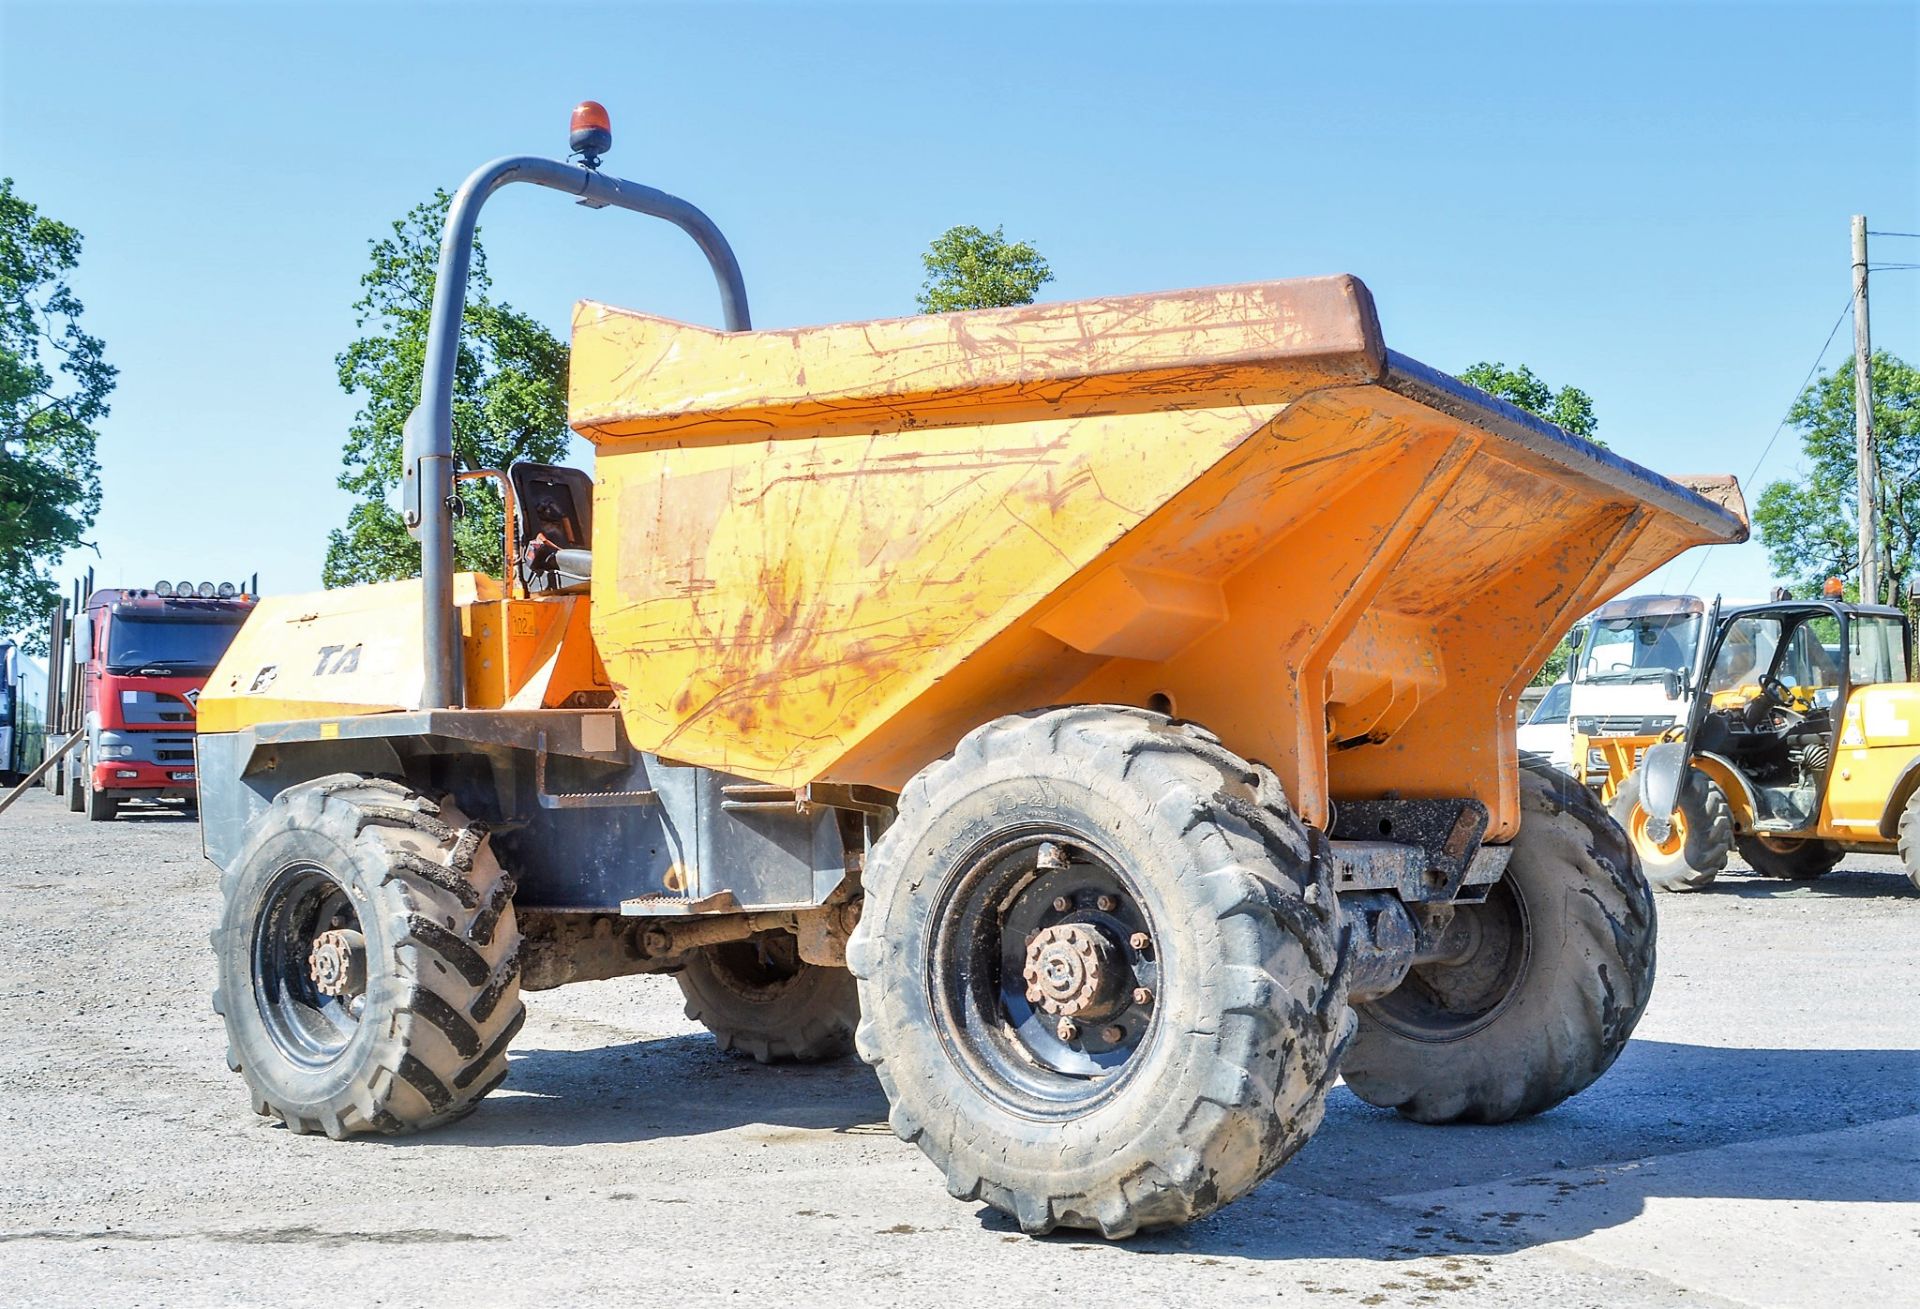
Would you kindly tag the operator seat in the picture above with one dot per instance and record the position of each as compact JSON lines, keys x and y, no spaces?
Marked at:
{"x":554,"y":531}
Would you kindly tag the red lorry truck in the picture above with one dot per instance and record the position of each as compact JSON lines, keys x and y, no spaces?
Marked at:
{"x":142,"y":657}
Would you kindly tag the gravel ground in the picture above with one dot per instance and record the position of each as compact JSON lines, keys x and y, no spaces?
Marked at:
{"x":1758,"y":1143}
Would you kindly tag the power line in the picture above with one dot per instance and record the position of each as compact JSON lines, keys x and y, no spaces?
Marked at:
{"x":1914,"y":235}
{"x":1818,"y":359}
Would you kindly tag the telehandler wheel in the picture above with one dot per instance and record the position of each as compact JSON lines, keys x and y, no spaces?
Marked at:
{"x":1099,"y":980}
{"x":1909,"y":836}
{"x":1560,"y":970}
{"x":1795,"y":861}
{"x":1698,"y":843}
{"x":759,"y":997}
{"x":368,"y":960}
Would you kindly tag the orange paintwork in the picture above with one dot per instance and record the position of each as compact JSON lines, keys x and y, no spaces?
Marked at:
{"x":826,"y":553}
{"x":336,"y":654}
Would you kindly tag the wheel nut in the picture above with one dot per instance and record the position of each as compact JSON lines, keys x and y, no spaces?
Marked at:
{"x":1113,"y":1035}
{"x":1141,"y":943}
{"x":1066,"y":1030}
{"x":1106,"y":904}
{"x":1141,"y":995}
{"x":1061,"y":904}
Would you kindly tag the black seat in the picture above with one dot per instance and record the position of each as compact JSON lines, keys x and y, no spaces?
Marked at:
{"x":554,"y":531}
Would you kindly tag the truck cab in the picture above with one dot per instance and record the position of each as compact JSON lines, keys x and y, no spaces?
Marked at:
{"x":1630,"y":673}
{"x":144,"y":656}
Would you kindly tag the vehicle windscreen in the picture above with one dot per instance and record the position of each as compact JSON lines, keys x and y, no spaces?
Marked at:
{"x":1876,"y":650}
{"x":1552,"y":708}
{"x":1801,"y":652}
{"x":167,"y":645}
{"x":1643,"y":648}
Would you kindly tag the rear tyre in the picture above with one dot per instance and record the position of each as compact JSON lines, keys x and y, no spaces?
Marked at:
{"x":759,"y":997}
{"x":368,"y":960}
{"x":1795,"y":861}
{"x":1696,"y":848}
{"x":1909,"y":834}
{"x":1561,"y":965}
{"x":1100,"y":980}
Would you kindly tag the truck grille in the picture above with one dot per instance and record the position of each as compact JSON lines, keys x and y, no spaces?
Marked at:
{"x":1622,"y":724}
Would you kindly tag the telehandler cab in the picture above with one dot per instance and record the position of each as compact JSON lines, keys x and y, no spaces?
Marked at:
{"x":899,"y":685}
{"x":1801,"y":743}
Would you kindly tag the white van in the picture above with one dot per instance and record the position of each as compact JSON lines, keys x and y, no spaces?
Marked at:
{"x":1547,"y":731}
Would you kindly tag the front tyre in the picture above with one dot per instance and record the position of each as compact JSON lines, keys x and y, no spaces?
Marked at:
{"x":1793,"y":861}
{"x":759,"y":997}
{"x":101,"y":808}
{"x":1099,"y":978}
{"x":368,"y":960}
{"x":1557,"y":968}
{"x":1697,"y":843}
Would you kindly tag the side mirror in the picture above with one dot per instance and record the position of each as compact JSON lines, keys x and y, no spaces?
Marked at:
{"x":1676,"y":684}
{"x":1663,"y":769}
{"x":82,"y":638}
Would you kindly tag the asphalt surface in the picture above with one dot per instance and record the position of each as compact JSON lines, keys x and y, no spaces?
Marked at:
{"x":1758,"y":1143}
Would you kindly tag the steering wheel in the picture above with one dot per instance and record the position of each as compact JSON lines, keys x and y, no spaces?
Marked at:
{"x":1771,"y":700}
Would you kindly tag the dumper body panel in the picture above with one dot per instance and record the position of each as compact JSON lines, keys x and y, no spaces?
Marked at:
{"x":827,"y":553}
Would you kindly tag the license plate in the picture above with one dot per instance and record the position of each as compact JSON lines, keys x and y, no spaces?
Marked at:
{"x":187,"y":776}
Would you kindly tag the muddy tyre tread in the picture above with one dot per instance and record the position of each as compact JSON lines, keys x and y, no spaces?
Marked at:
{"x":1807,"y":862}
{"x":811,"y":1020}
{"x":1576,"y":1005}
{"x":1277,"y":984}
{"x":439,"y":1042}
{"x":1710,"y":836}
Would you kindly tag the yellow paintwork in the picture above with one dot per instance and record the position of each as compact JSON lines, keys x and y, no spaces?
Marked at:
{"x":1879,"y":736}
{"x":337,"y":654}
{"x":824,"y":554}
{"x":827,"y":553}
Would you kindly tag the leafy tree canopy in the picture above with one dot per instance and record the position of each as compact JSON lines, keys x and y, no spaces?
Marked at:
{"x":1809,"y":523}
{"x":510,"y":402}
{"x":971,"y":269}
{"x":54,"y":384}
{"x":1569,"y":408}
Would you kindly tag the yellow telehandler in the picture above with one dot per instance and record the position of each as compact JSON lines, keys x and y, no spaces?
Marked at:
{"x":1802,"y":742}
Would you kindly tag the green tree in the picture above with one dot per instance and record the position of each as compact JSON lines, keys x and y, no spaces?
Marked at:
{"x":510,"y":402}
{"x":1569,"y":408}
{"x":1809,"y":523}
{"x":54,"y":384}
{"x":971,"y":269}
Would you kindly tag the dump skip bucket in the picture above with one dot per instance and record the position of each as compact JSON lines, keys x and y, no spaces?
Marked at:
{"x":827,"y":553}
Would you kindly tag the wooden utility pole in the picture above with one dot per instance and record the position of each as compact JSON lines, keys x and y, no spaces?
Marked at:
{"x":1863,"y":419}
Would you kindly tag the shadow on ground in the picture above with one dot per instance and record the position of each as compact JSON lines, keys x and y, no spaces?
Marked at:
{"x":1842,"y":883}
{"x":1370,"y":1184}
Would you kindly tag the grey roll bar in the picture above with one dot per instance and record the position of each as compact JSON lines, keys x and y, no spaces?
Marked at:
{"x":426,"y":490}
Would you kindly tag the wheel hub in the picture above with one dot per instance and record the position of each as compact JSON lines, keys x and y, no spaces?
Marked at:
{"x":338,"y":962}
{"x":1071,"y":971}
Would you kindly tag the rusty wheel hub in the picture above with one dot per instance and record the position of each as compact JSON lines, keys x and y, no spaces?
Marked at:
{"x":1071,"y":971}
{"x":338,"y":962}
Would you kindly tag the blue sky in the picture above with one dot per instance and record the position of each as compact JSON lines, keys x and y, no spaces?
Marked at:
{"x":1649,"y":201}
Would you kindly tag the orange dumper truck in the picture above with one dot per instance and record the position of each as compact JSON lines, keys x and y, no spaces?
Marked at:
{"x":1099,"y":715}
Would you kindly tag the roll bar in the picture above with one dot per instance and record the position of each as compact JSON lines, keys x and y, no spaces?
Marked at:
{"x":427,"y":480}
